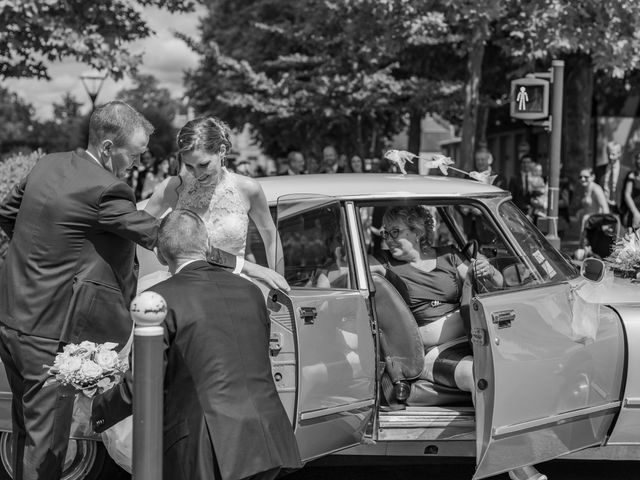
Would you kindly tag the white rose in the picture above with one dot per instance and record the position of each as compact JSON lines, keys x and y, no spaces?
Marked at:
{"x":90,"y":370}
{"x":107,"y":359}
{"x":67,"y":364}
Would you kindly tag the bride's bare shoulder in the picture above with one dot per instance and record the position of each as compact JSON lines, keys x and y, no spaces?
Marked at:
{"x":248,"y":185}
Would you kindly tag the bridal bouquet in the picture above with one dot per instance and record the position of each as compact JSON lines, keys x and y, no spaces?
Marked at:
{"x":625,"y":257}
{"x":89,"y":367}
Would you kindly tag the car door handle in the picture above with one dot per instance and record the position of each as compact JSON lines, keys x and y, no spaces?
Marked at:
{"x":308,"y":315}
{"x":503,"y":318}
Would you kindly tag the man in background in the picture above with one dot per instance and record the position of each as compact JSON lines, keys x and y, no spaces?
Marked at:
{"x":296,"y":164}
{"x":611,"y":176}
{"x":330,"y":160}
{"x":519,"y":184}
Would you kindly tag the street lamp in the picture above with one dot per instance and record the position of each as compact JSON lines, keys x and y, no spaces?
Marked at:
{"x":92,"y":82}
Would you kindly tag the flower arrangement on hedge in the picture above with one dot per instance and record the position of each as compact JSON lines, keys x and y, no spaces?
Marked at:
{"x":13,"y":169}
{"x":625,"y":256}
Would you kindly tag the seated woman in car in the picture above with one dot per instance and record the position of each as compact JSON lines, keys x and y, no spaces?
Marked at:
{"x":430,"y":280}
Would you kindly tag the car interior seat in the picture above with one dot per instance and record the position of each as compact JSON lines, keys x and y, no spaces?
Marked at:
{"x":403,"y":354}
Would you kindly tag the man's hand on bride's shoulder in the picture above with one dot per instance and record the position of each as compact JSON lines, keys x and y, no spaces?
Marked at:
{"x":272,"y":278}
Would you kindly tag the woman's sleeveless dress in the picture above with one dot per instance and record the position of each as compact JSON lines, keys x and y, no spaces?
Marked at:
{"x":430,"y":296}
{"x":221,"y":208}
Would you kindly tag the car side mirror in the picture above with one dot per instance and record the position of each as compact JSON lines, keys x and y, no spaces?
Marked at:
{"x":593,"y":269}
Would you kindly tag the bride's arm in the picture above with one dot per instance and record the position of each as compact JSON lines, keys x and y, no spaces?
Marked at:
{"x":260,"y":215}
{"x":165,"y":196}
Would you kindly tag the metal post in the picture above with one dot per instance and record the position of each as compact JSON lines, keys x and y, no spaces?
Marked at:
{"x":148,"y":310}
{"x":555,"y":146}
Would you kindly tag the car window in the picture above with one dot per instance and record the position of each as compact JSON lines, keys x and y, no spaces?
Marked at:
{"x":315,"y":248}
{"x":469,"y":229}
{"x":549,"y":264}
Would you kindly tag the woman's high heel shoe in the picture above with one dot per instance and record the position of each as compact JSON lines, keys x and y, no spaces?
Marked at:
{"x":526,"y":473}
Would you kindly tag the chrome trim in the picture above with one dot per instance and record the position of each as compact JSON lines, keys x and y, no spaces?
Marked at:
{"x":561,"y":418}
{"x":632,"y":402}
{"x":323,"y":412}
{"x":352,"y":219}
{"x":5,"y":396}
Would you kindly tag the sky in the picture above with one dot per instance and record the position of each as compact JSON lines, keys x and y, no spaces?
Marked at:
{"x":165,"y":57}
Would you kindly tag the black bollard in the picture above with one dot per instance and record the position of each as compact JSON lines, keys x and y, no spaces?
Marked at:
{"x":148,"y":310}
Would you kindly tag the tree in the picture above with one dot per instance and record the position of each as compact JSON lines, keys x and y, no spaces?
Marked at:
{"x":95,"y":32}
{"x":157,"y":105}
{"x":67,"y":130}
{"x":307,"y":73}
{"x":16,"y":118}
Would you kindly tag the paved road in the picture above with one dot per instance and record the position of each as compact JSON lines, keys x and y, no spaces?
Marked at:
{"x":556,"y":470}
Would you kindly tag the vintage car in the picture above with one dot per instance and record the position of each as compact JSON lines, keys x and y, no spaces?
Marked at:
{"x":556,"y":352}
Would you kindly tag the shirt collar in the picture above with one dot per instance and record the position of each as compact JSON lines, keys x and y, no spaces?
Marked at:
{"x":93,"y":156}
{"x":185,"y":264}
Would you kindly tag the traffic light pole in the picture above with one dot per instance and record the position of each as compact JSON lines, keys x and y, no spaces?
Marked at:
{"x":557,"y":70}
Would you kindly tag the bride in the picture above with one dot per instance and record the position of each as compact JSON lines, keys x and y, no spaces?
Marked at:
{"x":225,"y":200}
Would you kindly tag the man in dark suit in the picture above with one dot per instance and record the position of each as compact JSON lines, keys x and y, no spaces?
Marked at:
{"x":611,"y":176}
{"x":70,"y":274}
{"x":223,"y":418}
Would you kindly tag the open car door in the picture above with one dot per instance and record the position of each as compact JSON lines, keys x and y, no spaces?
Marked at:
{"x":331,"y":327}
{"x":548,"y":366}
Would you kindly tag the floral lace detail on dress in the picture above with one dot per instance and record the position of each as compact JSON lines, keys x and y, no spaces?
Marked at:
{"x":222,"y":210}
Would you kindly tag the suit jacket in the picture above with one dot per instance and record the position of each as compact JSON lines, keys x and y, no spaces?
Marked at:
{"x":500,"y":181}
{"x":220,"y":401}
{"x":622,"y":175}
{"x":70,"y":270}
{"x":519,"y":193}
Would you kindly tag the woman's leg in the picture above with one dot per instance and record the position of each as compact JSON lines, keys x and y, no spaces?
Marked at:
{"x":443,"y":330}
{"x":450,"y":364}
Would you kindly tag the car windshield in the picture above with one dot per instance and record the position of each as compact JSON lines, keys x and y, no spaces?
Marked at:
{"x":549,"y":263}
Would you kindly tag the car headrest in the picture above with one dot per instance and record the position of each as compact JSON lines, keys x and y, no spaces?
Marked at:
{"x":402,"y":341}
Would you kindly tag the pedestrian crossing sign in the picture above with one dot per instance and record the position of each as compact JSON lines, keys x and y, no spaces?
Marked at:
{"x":529,"y":98}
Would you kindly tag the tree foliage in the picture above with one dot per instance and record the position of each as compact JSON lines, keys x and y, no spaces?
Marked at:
{"x":307,"y":73}
{"x":67,"y":130}
{"x":16,"y":120}
{"x":157,"y":105}
{"x":96,"y":32}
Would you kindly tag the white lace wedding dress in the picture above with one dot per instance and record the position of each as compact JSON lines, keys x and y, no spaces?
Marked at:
{"x":222,"y":209}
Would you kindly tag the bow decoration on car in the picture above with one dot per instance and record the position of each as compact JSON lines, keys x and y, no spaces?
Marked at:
{"x":484,"y":177}
{"x":401,"y":157}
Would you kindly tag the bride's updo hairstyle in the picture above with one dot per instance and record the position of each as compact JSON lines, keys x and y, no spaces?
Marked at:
{"x":418,"y":219}
{"x":207,"y":134}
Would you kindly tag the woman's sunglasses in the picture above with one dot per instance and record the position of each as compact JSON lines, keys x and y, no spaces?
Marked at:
{"x":393,"y":233}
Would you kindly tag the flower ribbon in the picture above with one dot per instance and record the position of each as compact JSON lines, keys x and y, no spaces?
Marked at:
{"x":401,"y":157}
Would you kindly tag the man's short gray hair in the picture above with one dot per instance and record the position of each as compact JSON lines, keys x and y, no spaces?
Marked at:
{"x":116,"y":121}
{"x":182,"y":235}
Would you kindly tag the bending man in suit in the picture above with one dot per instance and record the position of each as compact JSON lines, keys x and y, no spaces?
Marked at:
{"x":223,"y":418}
{"x":70,"y":274}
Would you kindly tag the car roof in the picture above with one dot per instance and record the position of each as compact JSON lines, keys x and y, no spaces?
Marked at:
{"x":378,"y":185}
